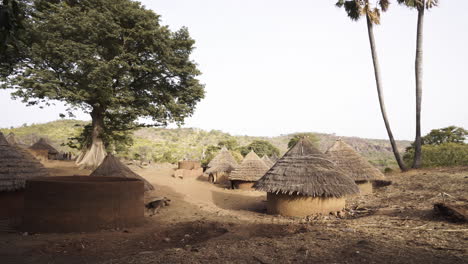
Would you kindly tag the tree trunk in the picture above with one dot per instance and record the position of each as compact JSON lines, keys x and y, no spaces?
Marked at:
{"x":378,"y":83}
{"x":92,"y":157}
{"x":418,"y":73}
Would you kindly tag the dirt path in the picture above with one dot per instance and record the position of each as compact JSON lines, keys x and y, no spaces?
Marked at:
{"x":206,"y":223}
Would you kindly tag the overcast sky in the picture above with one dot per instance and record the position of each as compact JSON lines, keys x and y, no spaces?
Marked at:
{"x":277,"y":67}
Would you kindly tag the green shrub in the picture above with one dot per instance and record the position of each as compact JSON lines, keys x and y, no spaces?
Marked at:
{"x":443,"y":155}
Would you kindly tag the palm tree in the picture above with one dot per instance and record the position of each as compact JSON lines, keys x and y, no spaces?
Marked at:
{"x":420,"y":5}
{"x":355,"y":9}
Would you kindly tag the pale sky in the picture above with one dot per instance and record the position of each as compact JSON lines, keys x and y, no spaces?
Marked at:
{"x":277,"y":67}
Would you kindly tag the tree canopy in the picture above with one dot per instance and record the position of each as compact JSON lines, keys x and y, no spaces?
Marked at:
{"x":110,"y":58}
{"x":450,"y":134}
{"x":261,"y":148}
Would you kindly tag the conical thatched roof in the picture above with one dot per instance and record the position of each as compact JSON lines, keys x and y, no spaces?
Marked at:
{"x":16,"y":167}
{"x":42,"y":144}
{"x":304,"y":170}
{"x":252,"y":168}
{"x":223,"y":167}
{"x":223,"y":162}
{"x":348,"y":160}
{"x":112,"y":167}
{"x":267,"y":161}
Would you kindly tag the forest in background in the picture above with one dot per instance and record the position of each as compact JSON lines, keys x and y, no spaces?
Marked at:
{"x":171,"y":145}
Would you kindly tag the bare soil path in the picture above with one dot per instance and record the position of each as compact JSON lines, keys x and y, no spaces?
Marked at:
{"x":206,"y":223}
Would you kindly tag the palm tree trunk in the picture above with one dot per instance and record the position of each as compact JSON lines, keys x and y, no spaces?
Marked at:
{"x":378,"y":82}
{"x":418,"y":73}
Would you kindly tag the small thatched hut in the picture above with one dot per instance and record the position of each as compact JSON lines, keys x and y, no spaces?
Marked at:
{"x":42,"y":145}
{"x":11,"y":138}
{"x":112,"y":167}
{"x":305,"y":182}
{"x":248,"y":172}
{"x":354,"y":165}
{"x":221,"y":166}
{"x":268,"y":161}
{"x":15,"y":168}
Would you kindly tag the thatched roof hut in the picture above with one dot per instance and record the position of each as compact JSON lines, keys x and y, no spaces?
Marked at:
{"x":16,"y":167}
{"x":221,"y":166}
{"x":112,"y":167}
{"x":222,"y":158}
{"x":42,"y":145}
{"x":268,"y":161}
{"x":358,"y":168}
{"x":248,"y":172}
{"x":304,"y":182}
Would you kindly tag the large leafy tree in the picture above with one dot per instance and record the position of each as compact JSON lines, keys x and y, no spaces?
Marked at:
{"x":112,"y":59}
{"x":261,"y":148}
{"x":13,"y":20}
{"x":355,"y":9}
{"x":420,"y":6}
{"x":450,"y":134}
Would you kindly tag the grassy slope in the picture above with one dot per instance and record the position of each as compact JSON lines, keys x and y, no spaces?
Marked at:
{"x":156,"y":143}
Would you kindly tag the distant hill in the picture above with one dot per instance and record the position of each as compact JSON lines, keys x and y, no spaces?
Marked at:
{"x":163,"y":144}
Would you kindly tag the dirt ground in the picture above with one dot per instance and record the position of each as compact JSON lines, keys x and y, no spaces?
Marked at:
{"x":207,"y":223}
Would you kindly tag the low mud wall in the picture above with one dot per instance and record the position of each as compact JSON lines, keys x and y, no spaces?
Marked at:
{"x":243,"y":185}
{"x":189,"y":164}
{"x":301,"y":206}
{"x":82,"y":203}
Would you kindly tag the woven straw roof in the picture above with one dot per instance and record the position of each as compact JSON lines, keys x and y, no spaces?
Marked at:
{"x":16,"y":166}
{"x":348,"y":160}
{"x":112,"y":167}
{"x":42,"y":144}
{"x":224,"y":167}
{"x":252,"y":168}
{"x":304,"y":170}
{"x":267,"y":161}
{"x":223,"y":162}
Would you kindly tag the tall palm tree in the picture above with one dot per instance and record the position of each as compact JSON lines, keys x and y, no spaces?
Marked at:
{"x":355,"y":10}
{"x":419,"y":5}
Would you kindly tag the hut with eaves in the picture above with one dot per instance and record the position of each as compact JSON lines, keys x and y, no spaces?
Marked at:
{"x":267,"y":161}
{"x":113,"y":167}
{"x":251,"y":169}
{"x":16,"y":166}
{"x":354,"y":165}
{"x":305,"y":182}
{"x":221,"y":166}
{"x":41,"y":148}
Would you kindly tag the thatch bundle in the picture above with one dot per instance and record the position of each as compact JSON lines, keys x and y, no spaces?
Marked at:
{"x":223,"y":162}
{"x":42,"y":144}
{"x":348,"y":160}
{"x":16,"y":166}
{"x":267,"y":161}
{"x":112,"y":167}
{"x":304,"y":170}
{"x":11,"y":138}
{"x":251,"y":169}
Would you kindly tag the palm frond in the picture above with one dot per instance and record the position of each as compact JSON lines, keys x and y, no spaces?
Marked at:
{"x":384,"y":5}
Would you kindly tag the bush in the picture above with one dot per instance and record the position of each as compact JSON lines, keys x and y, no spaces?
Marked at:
{"x":443,"y":155}
{"x":388,"y":170}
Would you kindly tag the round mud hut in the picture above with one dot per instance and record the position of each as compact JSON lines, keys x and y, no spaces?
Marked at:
{"x":354,"y":165}
{"x":112,"y":167}
{"x":267,"y":161}
{"x":42,"y":146}
{"x":305,"y":182}
{"x":248,"y":172}
{"x":221,"y":166}
{"x":16,"y":166}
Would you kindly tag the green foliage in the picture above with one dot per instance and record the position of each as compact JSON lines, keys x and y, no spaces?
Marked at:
{"x":261,"y":148}
{"x":13,"y":22}
{"x":310,"y":136}
{"x":451,"y":134}
{"x":111,"y":58}
{"x":230,"y":144}
{"x":442,"y":155}
{"x":388,"y":170}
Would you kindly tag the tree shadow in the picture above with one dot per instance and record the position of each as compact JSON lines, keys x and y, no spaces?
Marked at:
{"x":232,"y":201}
